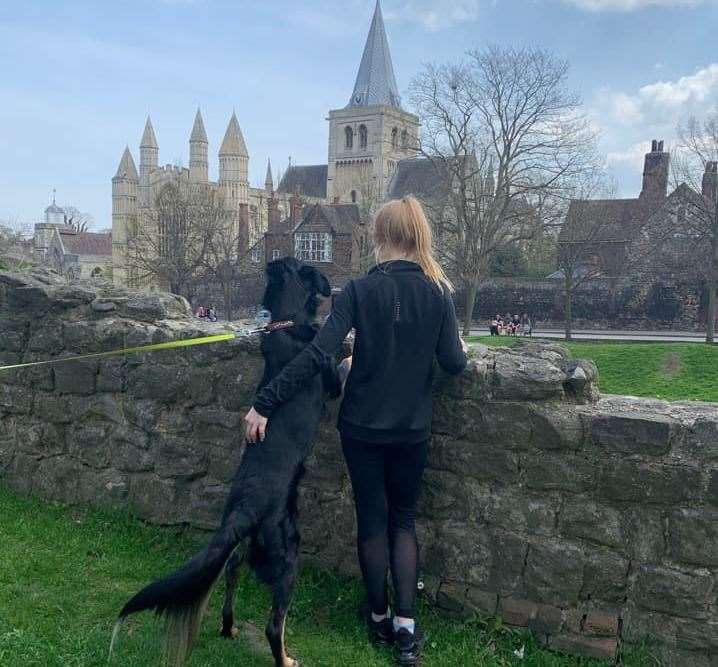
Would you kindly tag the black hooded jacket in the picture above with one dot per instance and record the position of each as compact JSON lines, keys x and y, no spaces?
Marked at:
{"x":402,"y":322}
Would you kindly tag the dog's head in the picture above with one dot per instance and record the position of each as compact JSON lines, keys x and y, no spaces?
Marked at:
{"x":293,"y":289}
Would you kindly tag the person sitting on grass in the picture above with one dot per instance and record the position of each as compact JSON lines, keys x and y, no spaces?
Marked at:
{"x":403,"y":316}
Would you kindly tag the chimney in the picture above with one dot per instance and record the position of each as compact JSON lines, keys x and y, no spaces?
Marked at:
{"x":710,"y":181}
{"x":655,"y":172}
{"x":273,"y":215}
{"x":295,"y":208}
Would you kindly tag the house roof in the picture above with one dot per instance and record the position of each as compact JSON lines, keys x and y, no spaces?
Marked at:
{"x":415,"y":176}
{"x":604,"y":220}
{"x":311,"y":180}
{"x":375,"y":83}
{"x":341,"y":218}
{"x":86,"y":243}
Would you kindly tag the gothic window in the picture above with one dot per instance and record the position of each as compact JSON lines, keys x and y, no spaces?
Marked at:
{"x":404,"y":139}
{"x":257,"y":252}
{"x":354,"y":196}
{"x":348,"y":137}
{"x":363,"y":136}
{"x":313,"y":246}
{"x":395,"y":138}
{"x":275,"y":254}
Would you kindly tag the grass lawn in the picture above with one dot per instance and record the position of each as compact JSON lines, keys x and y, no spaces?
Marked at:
{"x":672,"y":371}
{"x":65,"y":573}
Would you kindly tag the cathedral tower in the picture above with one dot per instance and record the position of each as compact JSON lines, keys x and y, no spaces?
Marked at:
{"x":234,"y":178}
{"x":149,"y":161}
{"x":124,"y":214}
{"x":198,"y":146}
{"x":373,"y":132}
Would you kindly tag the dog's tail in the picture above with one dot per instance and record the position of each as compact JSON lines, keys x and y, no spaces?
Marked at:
{"x":182,"y":596}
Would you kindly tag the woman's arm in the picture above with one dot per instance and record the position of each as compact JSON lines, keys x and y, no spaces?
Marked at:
{"x":450,"y":350}
{"x":306,"y":364}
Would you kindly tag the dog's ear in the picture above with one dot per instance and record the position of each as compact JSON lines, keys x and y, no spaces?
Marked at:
{"x":316,"y":279}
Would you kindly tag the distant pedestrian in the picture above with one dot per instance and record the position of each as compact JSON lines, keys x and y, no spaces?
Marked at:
{"x":201,"y":313}
{"x":526,"y":325}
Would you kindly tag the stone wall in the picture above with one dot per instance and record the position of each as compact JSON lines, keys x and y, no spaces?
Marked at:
{"x":593,"y":522}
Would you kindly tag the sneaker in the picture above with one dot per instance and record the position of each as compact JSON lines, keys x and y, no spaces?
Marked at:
{"x":381,"y":633}
{"x":407,"y":646}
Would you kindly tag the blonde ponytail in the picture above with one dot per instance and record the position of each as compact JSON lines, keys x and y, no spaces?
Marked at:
{"x":402,"y":224}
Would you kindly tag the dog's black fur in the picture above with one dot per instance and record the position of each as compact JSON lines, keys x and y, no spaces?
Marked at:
{"x":262,"y":503}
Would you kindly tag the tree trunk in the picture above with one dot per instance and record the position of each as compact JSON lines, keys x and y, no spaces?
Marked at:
{"x":469,"y":302}
{"x":711,"y":313}
{"x":228,"y":302}
{"x":567,"y":309}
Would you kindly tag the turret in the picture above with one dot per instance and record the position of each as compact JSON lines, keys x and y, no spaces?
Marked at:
{"x":710,"y":182}
{"x":269,"y":181}
{"x":655,"y":172}
{"x":234,"y":163}
{"x":198,"y":146}
{"x":124,"y":213}
{"x":149,"y":161}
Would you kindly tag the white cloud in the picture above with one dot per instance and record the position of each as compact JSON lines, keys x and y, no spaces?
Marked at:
{"x":435,"y":14}
{"x":631,"y":156}
{"x":629,"y":5}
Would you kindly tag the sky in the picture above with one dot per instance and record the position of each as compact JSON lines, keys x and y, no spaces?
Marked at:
{"x":78,"y":77}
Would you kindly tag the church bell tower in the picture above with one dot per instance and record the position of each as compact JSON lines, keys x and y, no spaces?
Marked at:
{"x":373,"y":132}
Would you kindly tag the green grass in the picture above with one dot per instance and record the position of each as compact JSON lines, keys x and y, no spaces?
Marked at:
{"x":672,"y":371}
{"x":64,"y":574}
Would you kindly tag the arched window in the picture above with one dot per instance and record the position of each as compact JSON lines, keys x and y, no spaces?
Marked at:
{"x":404,"y":139}
{"x":348,"y":137}
{"x":363,"y":136}
{"x":354,"y":196}
{"x":395,"y":138}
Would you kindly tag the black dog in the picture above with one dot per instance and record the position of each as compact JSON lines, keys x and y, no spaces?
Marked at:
{"x":262,"y":503}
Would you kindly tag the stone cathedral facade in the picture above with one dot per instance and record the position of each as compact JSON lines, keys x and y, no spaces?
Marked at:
{"x":367,"y":140}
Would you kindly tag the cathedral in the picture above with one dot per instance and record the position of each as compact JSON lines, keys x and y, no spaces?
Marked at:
{"x":368,"y":138}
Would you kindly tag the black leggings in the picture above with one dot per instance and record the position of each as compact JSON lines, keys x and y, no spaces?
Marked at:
{"x":386,"y":479}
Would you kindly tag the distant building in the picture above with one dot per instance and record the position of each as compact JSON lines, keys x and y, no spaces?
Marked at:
{"x":367,"y":140}
{"x":76,"y":255}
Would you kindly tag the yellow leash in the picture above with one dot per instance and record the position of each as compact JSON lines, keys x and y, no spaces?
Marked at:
{"x":155,"y":347}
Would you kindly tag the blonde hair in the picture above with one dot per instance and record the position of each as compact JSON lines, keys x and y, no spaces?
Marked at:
{"x":401,"y":224}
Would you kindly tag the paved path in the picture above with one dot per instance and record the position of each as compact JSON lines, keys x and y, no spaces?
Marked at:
{"x":595,"y":334}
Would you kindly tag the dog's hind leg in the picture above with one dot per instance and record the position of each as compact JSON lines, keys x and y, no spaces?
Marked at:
{"x":231,"y":575}
{"x":283,"y":590}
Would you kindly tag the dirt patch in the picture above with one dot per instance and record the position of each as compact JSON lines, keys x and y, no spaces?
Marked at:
{"x":672,"y":365}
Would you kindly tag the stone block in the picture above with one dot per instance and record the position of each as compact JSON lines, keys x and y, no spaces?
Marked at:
{"x":632,"y":433}
{"x":56,"y":478}
{"x":215,"y":417}
{"x":586,"y":519}
{"x":605,"y":577}
{"x":40,"y":439}
{"x":634,"y":481}
{"x":677,"y":592}
{"x":554,"y":572}
{"x":556,"y":429}
{"x":516,"y":377}
{"x":481,"y":601}
{"x":512,"y":509}
{"x":549,"y":471}
{"x":700,"y":441}
{"x":201,"y":390}
{"x":644,"y":533}
{"x":141,"y":413}
{"x":156,"y":499}
{"x":163,"y":383}
{"x":459,"y":553}
{"x":452,"y":598}
{"x":517,"y":612}
{"x":13,"y":334}
{"x":177,"y":457}
{"x":479,"y":460}
{"x":90,"y":444}
{"x":508,"y":560}
{"x":601,"y":648}
{"x":75,"y":376}
{"x":129,"y":449}
{"x":15,"y":400}
{"x":547,"y":621}
{"x":697,"y":635}
{"x":111,"y":377}
{"x":105,"y":488}
{"x":206,"y":503}
{"x":693,"y":536}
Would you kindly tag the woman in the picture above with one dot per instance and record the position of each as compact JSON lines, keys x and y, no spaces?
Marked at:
{"x":403,"y":316}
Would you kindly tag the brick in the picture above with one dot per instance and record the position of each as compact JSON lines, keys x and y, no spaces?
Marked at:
{"x":601,"y":624}
{"x":591,"y":647}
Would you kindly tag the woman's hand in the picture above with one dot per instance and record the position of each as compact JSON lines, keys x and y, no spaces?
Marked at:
{"x":256,"y":426}
{"x":464,"y":346}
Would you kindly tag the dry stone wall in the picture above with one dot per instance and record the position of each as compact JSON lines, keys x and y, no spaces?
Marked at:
{"x":592,"y":521}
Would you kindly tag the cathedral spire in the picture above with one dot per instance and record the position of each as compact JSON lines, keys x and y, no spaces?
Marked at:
{"x":127,"y":167}
{"x":233,"y":142}
{"x":149,"y":140}
{"x":198,"y":131}
{"x":269,"y":181}
{"x":376,"y":84}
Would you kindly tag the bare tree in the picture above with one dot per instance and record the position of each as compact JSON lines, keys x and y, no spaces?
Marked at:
{"x":226,"y":257}
{"x":80,"y":222}
{"x":170,"y":247}
{"x":696,"y":164}
{"x":15,"y":248}
{"x":506,"y":140}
